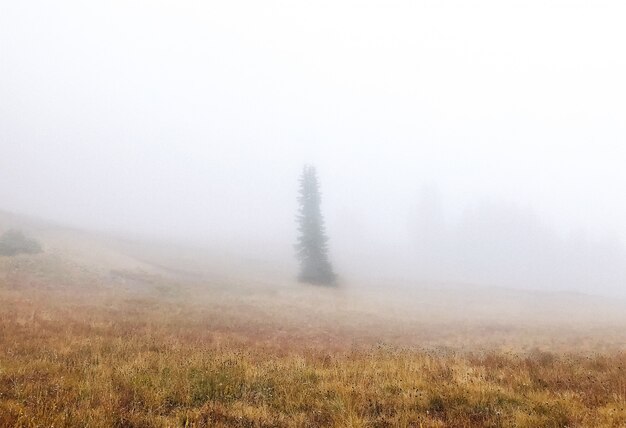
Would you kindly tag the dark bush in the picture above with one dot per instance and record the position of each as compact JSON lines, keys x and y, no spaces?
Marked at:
{"x":13,"y":242}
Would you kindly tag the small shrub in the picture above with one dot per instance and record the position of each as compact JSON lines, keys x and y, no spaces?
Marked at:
{"x":13,"y":242}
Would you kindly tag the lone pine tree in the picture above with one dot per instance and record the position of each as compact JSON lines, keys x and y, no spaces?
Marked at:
{"x":312,"y":245}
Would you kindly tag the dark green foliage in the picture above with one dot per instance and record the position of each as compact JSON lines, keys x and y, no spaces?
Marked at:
{"x":13,"y":242}
{"x":312,"y":246}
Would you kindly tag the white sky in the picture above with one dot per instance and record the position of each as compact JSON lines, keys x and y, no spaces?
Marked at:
{"x":195,"y":117}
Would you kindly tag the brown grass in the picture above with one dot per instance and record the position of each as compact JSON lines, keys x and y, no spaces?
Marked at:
{"x":78,"y":348}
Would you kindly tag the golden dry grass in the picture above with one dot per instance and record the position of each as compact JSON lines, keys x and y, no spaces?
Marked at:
{"x":80,"y":348}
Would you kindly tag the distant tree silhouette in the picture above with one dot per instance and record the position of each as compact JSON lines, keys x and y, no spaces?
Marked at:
{"x":13,"y":242}
{"x":312,"y":245}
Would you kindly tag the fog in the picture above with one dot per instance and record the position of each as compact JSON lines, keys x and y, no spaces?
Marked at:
{"x":454,"y":143}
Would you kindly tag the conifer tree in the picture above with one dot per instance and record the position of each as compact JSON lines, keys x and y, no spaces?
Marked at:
{"x":312,"y":245}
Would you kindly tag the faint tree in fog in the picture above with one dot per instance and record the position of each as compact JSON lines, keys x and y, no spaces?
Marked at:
{"x":13,"y":242}
{"x":429,"y":232}
{"x":312,"y":245}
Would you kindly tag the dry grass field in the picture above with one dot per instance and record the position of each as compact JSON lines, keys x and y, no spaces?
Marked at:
{"x":97,"y":338}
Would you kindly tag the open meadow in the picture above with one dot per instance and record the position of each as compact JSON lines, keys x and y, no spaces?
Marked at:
{"x":97,"y":332}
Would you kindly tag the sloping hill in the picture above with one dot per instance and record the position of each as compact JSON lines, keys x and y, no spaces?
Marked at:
{"x":201,"y":281}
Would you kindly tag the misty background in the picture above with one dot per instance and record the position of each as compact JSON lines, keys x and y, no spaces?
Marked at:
{"x":482,"y":144}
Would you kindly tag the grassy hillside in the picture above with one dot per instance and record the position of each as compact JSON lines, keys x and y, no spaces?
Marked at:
{"x":96,"y":332}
